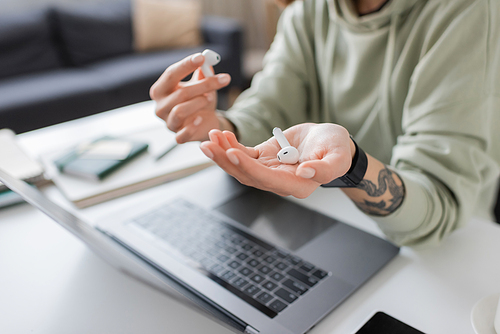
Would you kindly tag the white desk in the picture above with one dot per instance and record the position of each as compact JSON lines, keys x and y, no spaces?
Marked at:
{"x":51,"y":283}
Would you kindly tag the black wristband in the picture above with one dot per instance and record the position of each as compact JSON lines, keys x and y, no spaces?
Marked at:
{"x":355,"y":174}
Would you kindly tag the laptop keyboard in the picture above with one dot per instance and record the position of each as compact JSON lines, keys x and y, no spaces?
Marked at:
{"x":264,"y":276}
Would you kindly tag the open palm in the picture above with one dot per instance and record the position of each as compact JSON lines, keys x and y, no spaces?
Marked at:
{"x":324,"y":149}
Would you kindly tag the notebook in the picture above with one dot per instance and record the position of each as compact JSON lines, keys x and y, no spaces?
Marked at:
{"x":255,"y":261}
{"x":100,"y":158}
{"x":142,"y":172}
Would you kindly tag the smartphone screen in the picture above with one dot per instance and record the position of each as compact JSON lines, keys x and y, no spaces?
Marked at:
{"x":384,"y":323}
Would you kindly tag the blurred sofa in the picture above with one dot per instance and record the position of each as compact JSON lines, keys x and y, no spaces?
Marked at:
{"x":62,"y":63}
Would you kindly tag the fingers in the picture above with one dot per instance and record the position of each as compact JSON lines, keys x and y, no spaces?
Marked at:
{"x":227,"y":140}
{"x":197,"y":126}
{"x":169,"y":80}
{"x":203,"y":86}
{"x":190,"y":90}
{"x":179,"y":113}
{"x":250,"y":151}
{"x":218,"y":155}
{"x":279,"y":181}
{"x":252,"y":172}
{"x":217,"y":137}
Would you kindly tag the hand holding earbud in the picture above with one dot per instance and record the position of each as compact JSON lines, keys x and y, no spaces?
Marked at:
{"x":189,"y":108}
{"x":325,"y":154}
{"x":288,"y":154}
{"x":212,"y":58}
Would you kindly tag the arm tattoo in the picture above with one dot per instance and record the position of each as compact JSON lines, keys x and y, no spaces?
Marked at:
{"x":386,"y":181}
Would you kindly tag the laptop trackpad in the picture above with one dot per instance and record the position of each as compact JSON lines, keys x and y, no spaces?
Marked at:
{"x":277,"y":220}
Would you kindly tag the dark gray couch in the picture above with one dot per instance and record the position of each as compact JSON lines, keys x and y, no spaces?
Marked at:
{"x":63,"y":63}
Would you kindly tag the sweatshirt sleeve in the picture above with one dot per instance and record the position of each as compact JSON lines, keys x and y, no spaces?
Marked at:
{"x":279,"y":95}
{"x":443,"y":155}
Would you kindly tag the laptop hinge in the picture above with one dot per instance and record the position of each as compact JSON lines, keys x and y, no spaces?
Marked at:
{"x":250,"y":330}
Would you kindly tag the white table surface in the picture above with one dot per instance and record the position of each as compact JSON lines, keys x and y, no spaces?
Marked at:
{"x":51,"y":283}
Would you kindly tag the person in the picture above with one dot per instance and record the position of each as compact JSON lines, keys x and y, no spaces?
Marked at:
{"x":414,"y":83}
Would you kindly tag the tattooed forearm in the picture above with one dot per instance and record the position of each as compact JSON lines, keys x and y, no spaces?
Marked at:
{"x":387,"y":180}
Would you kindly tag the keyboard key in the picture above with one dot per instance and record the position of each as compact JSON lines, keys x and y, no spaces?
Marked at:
{"x":277,"y":276}
{"x":286,"y":296}
{"x":295,"y":260}
{"x":257,"y":278}
{"x":228,"y":275}
{"x":252,"y":290}
{"x":222,"y":258}
{"x":295,"y":287}
{"x":247,"y":247}
{"x":270,"y":259}
{"x":234,"y":264}
{"x":253,"y":263}
{"x":258,"y":253}
{"x":281,"y":265}
{"x":320,"y":273}
{"x":240,"y":283}
{"x":303,"y":278}
{"x":264,"y":297}
{"x":265,"y":269}
{"x":245,"y":271}
{"x":230,"y":250}
{"x":269,"y":285}
{"x":280,"y":254}
{"x":242,"y":256}
{"x":277,"y":305}
{"x":307,"y":267}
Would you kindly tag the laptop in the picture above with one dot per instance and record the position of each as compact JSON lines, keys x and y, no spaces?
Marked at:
{"x":254,"y":261}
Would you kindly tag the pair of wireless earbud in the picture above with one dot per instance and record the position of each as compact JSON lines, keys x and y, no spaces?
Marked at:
{"x":288,"y":154}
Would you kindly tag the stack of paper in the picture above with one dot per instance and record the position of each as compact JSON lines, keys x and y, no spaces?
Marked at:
{"x":141,"y":173}
{"x":17,"y":163}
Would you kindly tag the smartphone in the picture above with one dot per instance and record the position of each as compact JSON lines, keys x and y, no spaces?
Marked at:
{"x":384,"y":323}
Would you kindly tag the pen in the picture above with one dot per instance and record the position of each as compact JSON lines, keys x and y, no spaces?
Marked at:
{"x":164,"y":153}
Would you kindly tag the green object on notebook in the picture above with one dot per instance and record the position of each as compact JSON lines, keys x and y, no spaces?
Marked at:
{"x":99,"y":158}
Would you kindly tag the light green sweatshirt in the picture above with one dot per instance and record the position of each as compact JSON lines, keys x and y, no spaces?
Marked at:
{"x":417,"y":84}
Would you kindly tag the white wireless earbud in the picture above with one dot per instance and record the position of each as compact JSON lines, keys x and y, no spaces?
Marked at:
{"x":212,"y":58}
{"x":288,"y":154}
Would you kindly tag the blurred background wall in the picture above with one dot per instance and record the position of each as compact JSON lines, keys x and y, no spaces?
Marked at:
{"x":259,"y":17}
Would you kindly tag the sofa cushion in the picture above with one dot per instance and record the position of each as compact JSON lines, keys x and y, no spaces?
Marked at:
{"x":94,"y":31}
{"x":26,"y":44}
{"x":33,"y":101}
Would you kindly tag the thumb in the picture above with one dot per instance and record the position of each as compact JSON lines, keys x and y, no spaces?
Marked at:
{"x":330,"y":167}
